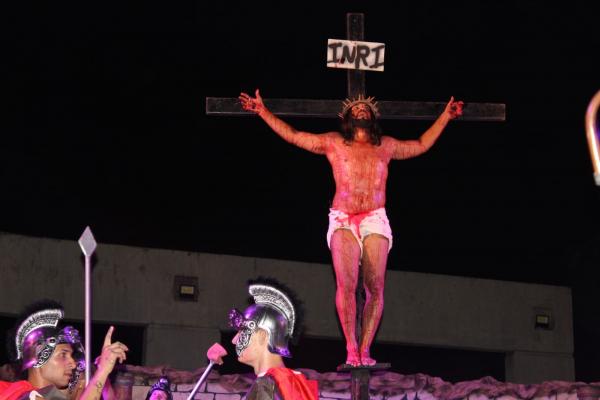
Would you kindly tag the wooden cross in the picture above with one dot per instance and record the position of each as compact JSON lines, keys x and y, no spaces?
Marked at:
{"x":329,"y":109}
{"x":416,"y":110}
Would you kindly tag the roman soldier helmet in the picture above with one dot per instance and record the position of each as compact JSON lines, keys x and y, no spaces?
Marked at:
{"x":273,"y":311}
{"x":162,"y":384}
{"x":38,"y":334}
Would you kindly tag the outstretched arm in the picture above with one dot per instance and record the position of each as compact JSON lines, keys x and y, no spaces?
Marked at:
{"x":308,"y":141}
{"x":403,"y":149}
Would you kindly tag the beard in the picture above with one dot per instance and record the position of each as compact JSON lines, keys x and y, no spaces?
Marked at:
{"x":350,"y":125}
{"x":363,"y":123}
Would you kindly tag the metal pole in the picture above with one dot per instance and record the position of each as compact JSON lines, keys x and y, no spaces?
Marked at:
{"x":88,"y":319}
{"x":201,"y":380}
{"x":88,"y":246}
{"x":592,"y":135}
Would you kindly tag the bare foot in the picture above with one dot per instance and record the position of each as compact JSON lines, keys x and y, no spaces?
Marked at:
{"x":353,"y":358}
{"x":365,"y":359}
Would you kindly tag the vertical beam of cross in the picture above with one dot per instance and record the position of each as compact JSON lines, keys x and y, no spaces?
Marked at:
{"x":355,"y":30}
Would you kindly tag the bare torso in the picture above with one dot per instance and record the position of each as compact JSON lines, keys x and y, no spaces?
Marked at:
{"x":360,"y":168}
{"x":360,"y":171}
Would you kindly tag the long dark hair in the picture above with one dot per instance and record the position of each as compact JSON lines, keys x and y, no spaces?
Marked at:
{"x":349,"y":124}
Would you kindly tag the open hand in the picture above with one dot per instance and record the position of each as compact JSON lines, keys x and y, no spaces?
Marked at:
{"x":454,"y":108}
{"x":254,"y":104}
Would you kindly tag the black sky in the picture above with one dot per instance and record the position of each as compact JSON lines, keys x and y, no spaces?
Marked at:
{"x":103,"y":125}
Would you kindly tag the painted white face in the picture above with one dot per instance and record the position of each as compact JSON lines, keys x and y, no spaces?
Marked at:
{"x":245,"y":328}
{"x":243,"y":337}
{"x":257,"y":345}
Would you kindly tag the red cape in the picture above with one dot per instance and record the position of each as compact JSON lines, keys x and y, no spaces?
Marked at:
{"x":14,"y":390}
{"x":294,"y":386}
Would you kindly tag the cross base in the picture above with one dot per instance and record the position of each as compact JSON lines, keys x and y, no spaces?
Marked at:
{"x":359,"y":378}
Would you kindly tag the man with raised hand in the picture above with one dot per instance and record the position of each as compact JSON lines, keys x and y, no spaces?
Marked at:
{"x":51,"y":358}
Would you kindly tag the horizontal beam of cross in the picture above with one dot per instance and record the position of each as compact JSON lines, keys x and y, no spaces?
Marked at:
{"x":404,"y":110}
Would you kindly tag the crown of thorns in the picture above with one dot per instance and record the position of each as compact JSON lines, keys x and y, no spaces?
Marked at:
{"x":349,"y":103}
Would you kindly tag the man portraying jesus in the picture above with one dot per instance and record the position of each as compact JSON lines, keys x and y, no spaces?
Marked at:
{"x":359,"y":234}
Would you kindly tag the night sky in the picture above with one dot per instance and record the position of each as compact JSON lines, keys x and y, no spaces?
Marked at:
{"x":103,"y":124}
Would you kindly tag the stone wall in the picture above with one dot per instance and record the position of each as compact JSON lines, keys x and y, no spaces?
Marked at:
{"x":133,"y":382}
{"x":383,"y":386}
